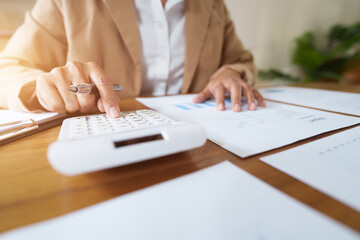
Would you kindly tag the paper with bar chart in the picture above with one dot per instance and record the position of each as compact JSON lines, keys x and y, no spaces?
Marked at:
{"x":248,"y":132}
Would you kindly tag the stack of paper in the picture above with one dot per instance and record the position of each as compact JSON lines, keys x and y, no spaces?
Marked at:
{"x":7,"y":116}
{"x":14,"y":125}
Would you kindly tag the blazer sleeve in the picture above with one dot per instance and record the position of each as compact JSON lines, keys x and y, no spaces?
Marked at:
{"x":234,"y":55}
{"x":36,"y":47}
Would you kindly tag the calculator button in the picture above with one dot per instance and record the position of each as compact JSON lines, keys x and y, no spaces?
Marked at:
{"x":159,"y":119}
{"x":132,"y":117}
{"x":77,"y":134}
{"x":138,"y":120}
{"x":143,"y":124}
{"x":120,"y":128}
{"x":144,"y":112}
{"x":118,"y":120}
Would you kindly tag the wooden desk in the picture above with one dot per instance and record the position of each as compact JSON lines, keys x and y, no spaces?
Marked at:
{"x":32,"y":191}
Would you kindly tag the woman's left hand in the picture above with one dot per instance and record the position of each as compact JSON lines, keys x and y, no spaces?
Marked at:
{"x":228,"y":80}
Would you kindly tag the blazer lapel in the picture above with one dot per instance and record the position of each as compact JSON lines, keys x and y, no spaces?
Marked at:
{"x":197,"y":16}
{"x":123,"y":14}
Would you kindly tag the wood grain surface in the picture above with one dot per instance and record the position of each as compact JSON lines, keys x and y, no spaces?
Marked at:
{"x":31,"y":191}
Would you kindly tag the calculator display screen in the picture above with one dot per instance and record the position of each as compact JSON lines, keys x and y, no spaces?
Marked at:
{"x":133,"y":141}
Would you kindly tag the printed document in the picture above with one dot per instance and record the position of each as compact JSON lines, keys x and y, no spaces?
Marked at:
{"x":219,"y":202}
{"x":335,"y":101}
{"x":7,"y":116}
{"x":248,"y":132}
{"x":331,"y":165}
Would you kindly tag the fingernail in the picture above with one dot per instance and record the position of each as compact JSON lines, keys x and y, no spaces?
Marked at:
{"x":114,"y":112}
{"x":253,"y":106}
{"x":220,"y":106}
{"x":237,"y":107}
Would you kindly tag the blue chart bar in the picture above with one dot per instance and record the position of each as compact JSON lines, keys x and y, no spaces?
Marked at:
{"x":208,"y":103}
{"x":195,"y":105}
{"x":183,"y":107}
{"x":190,"y":106}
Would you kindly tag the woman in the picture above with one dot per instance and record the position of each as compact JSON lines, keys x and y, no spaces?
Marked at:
{"x":151,"y":47}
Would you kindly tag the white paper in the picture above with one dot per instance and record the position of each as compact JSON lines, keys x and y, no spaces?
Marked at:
{"x":248,"y":132}
{"x":219,"y":202}
{"x":335,"y":101}
{"x":7,"y":116}
{"x":331,"y":164}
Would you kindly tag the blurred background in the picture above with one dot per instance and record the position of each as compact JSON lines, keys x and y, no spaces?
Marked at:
{"x":269,"y":29}
{"x":11,"y":16}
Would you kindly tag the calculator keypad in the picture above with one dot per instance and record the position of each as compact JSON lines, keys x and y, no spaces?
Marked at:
{"x":101,"y":124}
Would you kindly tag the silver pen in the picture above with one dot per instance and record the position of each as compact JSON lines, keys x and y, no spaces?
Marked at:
{"x":88,"y":88}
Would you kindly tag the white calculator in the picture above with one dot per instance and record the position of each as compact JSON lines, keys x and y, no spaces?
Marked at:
{"x":96,"y":142}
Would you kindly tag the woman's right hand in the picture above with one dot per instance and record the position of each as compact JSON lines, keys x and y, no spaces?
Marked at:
{"x":53,"y":94}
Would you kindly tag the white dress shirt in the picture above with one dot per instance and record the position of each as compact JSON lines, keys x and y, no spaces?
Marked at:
{"x":162,"y":33}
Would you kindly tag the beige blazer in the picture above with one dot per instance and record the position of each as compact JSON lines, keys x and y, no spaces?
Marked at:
{"x":58,"y":31}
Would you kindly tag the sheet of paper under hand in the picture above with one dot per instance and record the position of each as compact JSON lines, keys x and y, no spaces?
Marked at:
{"x":331,"y":164}
{"x":219,"y":202}
{"x":342,"y":102}
{"x":247,"y":132}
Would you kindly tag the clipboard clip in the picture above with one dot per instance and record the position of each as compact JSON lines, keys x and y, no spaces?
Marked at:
{"x":12,"y":129}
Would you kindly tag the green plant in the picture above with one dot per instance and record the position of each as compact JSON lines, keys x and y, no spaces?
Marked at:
{"x":329,"y":62}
